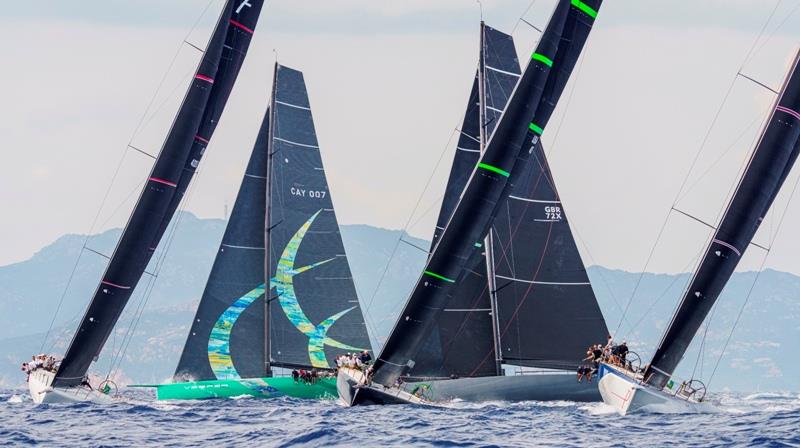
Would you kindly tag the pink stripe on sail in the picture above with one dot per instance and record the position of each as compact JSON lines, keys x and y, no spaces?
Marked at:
{"x":165,"y":182}
{"x":791,"y":112}
{"x":204,"y":78}
{"x":107,"y":283}
{"x":729,"y":246}
{"x":240,"y":26}
{"x":201,"y":139}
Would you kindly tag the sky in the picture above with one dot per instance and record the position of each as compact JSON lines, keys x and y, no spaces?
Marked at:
{"x":388,"y":82}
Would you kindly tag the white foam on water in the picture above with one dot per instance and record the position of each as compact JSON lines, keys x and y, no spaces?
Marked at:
{"x":598,"y":409}
{"x":16,"y":399}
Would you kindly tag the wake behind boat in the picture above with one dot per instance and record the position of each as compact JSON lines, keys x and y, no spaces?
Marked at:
{"x":769,"y":165}
{"x":465,"y":327}
{"x":163,"y":192}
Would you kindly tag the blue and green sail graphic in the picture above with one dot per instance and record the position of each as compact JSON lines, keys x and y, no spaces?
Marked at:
{"x":219,"y":354}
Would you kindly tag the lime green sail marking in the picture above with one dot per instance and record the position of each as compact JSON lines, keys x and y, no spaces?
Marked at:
{"x":585,"y":8}
{"x":543,"y":59}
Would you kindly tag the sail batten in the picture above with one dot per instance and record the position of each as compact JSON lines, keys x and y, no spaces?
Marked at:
{"x":315,"y":314}
{"x":170,"y":176}
{"x":483,"y":194}
{"x":767,"y":169}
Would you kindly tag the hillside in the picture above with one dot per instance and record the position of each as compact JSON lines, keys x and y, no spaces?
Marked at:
{"x":761,"y":355}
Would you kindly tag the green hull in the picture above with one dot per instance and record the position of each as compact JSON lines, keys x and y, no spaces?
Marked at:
{"x":324,"y":388}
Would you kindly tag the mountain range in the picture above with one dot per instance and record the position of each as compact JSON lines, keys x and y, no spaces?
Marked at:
{"x":146,"y":344}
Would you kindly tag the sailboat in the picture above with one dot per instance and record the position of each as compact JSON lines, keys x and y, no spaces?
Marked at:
{"x":454,"y":335}
{"x":769,"y":165}
{"x":171,"y":174}
{"x":310,"y":314}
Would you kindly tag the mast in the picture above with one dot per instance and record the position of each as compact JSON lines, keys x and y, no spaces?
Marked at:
{"x":488,"y":243}
{"x":268,"y":230}
{"x":518,"y":128}
{"x":766,"y":171}
{"x":169,"y":178}
{"x":314,"y":311}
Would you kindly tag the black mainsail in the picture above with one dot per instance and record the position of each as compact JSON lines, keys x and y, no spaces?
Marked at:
{"x":488,"y":185}
{"x":463,"y":333}
{"x":168,"y":180}
{"x":313,"y":311}
{"x":767,"y":169}
{"x":227,"y":340}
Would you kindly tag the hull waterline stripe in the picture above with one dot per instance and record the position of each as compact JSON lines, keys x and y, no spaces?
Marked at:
{"x":107,"y":283}
{"x":240,"y":26}
{"x":440,"y":277}
{"x":542,"y":58}
{"x":538,"y":201}
{"x":585,"y":8}
{"x":204,"y":78}
{"x":791,"y":112}
{"x":165,"y":182}
{"x":494,"y":169}
{"x":728,"y":245}
{"x":295,"y":143}
{"x":544,"y":283}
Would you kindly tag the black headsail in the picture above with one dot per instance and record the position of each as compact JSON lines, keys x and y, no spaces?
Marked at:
{"x":543,"y":290}
{"x":487,"y":187}
{"x":313,"y":311}
{"x":169,"y":178}
{"x":227,"y":340}
{"x":463,"y":333}
{"x":763,"y":177}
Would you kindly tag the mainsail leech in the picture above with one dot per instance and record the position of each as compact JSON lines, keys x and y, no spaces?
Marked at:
{"x":169,"y":179}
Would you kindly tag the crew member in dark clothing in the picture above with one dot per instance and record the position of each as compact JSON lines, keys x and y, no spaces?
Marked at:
{"x":365,"y":357}
{"x":295,"y":376}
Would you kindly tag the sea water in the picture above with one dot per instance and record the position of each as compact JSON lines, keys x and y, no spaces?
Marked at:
{"x":767,"y":419}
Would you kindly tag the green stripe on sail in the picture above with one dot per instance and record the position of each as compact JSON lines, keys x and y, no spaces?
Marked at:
{"x":533,"y":127}
{"x":543,"y":59}
{"x":585,"y":8}
{"x":440,"y":277}
{"x":494,"y":169}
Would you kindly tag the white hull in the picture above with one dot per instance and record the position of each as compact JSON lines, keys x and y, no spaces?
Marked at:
{"x":627,"y":395}
{"x":40,"y":386}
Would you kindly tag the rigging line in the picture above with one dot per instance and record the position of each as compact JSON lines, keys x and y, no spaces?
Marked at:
{"x":521,"y":17}
{"x":694,"y":163}
{"x":142,"y":151}
{"x":414,"y":245}
{"x":752,"y":287}
{"x":153,"y":279}
{"x":194,"y":46}
{"x":113,"y":180}
{"x":752,"y":49}
{"x":759,"y":83}
{"x":780,"y":25}
{"x":719,"y":159}
{"x":169,"y":69}
{"x":701,"y":349}
{"x":530,"y":24}
{"x":576,"y":78}
{"x":405,"y":228}
{"x":694,"y":218}
{"x":663,"y":294}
